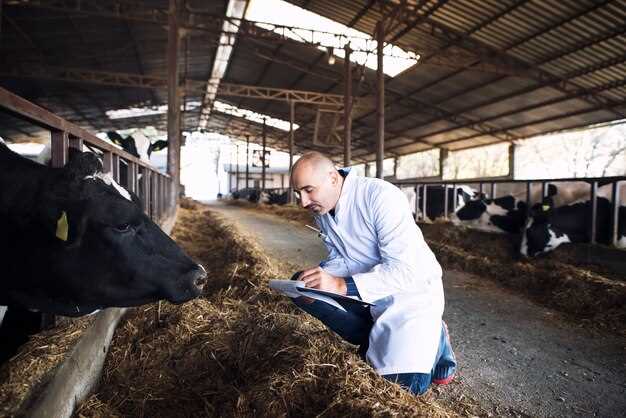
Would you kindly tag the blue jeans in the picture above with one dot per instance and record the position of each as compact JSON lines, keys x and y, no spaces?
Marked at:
{"x":355,"y":325}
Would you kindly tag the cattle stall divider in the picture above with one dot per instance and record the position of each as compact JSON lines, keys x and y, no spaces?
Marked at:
{"x":77,"y":375}
{"x":616,"y":183}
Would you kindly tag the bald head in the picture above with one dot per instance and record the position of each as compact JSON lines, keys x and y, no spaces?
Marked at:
{"x":316,"y":182}
{"x":313,"y":160}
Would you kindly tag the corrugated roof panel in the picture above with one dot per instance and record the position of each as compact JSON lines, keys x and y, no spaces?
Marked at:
{"x":551,"y":33}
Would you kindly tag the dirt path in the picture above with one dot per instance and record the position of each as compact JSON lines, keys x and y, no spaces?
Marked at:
{"x":516,"y":358}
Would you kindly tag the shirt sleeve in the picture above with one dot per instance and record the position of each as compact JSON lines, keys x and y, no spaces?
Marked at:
{"x":407,"y":263}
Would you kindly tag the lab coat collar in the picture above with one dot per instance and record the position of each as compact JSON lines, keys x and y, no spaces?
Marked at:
{"x":346,"y":190}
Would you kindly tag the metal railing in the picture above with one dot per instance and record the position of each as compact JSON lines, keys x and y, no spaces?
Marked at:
{"x":489,"y":188}
{"x":152,"y":186}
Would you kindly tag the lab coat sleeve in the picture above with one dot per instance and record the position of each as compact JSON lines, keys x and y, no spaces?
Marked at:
{"x":407,"y":263}
{"x":334,"y":264}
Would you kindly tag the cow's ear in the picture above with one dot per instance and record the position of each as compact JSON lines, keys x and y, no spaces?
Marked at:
{"x":158,"y":146}
{"x":83,"y":164}
{"x":115,"y":137}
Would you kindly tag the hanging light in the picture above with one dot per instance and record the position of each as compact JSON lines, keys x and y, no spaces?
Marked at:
{"x":331,"y":56}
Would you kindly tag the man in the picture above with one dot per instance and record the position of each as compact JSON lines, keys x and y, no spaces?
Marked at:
{"x":377,"y":254}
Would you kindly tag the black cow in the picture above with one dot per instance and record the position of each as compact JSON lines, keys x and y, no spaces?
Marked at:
{"x":276,"y":198}
{"x":73,"y":241}
{"x":457,"y":197}
{"x":251,"y":195}
{"x":549,"y":226}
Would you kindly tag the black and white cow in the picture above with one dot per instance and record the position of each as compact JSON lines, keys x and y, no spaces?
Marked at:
{"x":502,"y":215}
{"x":507,"y":214}
{"x":73,"y":241}
{"x":548,"y":226}
{"x":137,"y":144}
{"x":251,"y":195}
{"x":457,"y":197}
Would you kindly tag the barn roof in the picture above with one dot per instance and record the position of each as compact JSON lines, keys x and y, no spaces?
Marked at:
{"x":489,"y":71}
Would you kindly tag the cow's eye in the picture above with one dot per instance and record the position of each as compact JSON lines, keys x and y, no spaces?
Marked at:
{"x":123,"y":228}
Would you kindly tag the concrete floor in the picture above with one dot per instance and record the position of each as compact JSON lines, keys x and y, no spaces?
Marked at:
{"x":515,"y":358}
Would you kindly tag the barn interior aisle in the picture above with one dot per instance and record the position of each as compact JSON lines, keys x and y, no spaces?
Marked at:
{"x":502,"y":124}
{"x":517,"y":358}
{"x":239,"y":350}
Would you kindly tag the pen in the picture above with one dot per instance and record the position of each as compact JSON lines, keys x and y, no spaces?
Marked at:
{"x":319,"y":233}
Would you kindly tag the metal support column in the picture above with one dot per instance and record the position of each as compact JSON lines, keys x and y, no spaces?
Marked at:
{"x":594,"y":212}
{"x":512,"y":161}
{"x":292,"y":114}
{"x":263,"y":154}
{"x":615,"y":205}
{"x":443,"y":158}
{"x":347,"y":111}
{"x":247,"y":160}
{"x":173,"y":102}
{"x":380,"y":102}
{"x":237,"y":167}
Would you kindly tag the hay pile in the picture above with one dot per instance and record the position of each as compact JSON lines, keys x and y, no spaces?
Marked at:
{"x":239,"y":350}
{"x":586,"y":282}
{"x":23,"y":377}
{"x":568,"y":280}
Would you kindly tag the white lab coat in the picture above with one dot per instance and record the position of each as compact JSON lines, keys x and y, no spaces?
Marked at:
{"x":374,"y":239}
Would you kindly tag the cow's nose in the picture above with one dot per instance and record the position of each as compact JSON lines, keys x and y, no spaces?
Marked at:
{"x":199,"y":277}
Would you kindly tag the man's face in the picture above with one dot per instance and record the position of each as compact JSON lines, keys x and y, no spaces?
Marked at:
{"x":316,"y":189}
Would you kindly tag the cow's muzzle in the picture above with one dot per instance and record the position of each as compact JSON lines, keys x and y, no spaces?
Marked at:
{"x":198,"y":277}
{"x":189,"y":286}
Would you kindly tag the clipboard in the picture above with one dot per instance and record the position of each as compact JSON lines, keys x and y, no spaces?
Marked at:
{"x":296,"y":288}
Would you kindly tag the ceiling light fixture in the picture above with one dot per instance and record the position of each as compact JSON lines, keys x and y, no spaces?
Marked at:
{"x":331,"y":56}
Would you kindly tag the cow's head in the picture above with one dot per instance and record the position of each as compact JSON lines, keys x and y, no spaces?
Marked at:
{"x":472,"y":210}
{"x":103,"y":250}
{"x":539,"y":235}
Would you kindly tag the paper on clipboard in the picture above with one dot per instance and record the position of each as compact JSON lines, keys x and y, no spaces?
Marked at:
{"x":297,"y":288}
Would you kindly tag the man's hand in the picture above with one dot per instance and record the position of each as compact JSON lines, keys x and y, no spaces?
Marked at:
{"x":317,"y":278}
